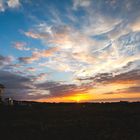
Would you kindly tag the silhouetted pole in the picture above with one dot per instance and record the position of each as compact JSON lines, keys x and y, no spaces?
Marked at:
{"x":1,"y":91}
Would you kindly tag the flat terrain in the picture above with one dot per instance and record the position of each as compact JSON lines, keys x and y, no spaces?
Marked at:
{"x":110,"y":121}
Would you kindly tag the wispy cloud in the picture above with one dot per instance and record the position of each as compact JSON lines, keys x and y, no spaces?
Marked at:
{"x":21,"y":46}
{"x":37,"y":55}
{"x":77,"y":49}
{"x":81,"y":3}
{"x":4,"y":4}
{"x":13,"y":3}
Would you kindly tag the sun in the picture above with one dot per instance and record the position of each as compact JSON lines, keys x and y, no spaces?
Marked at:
{"x":78,"y":100}
{"x":80,"y":97}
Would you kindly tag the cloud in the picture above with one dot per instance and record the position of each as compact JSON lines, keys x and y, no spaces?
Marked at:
{"x":24,"y":81}
{"x":132,"y":76}
{"x":20,"y":87}
{"x":13,"y":3}
{"x":35,"y":35}
{"x":37,"y":55}
{"x":108,"y":83}
{"x":29,"y":59}
{"x":25,"y":88}
{"x":21,"y":46}
{"x":102,"y":43}
{"x":73,"y":46}
{"x":2,"y":6}
{"x":5,"y":4}
{"x":99,"y":25}
{"x":132,"y":91}
{"x":31,"y":69}
{"x":57,"y":89}
{"x":81,"y":3}
{"x":82,"y":51}
{"x":6,"y":60}
{"x":135,"y":89}
{"x":135,"y":26}
{"x":42,"y":77}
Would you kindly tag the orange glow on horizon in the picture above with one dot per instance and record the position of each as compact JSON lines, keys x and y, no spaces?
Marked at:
{"x":79,"y":97}
{"x":104,"y":92}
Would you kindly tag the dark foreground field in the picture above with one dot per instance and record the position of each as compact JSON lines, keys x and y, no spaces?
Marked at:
{"x":115,"y":121}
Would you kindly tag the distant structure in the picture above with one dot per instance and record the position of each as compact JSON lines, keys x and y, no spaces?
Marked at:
{"x":8,"y":101}
{"x":2,"y":87}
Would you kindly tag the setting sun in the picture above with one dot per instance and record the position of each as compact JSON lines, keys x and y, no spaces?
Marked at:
{"x":79,"y":97}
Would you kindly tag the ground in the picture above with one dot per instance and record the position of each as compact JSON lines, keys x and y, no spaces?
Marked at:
{"x":77,"y":121}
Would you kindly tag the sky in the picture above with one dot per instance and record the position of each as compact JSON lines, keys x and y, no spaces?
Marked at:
{"x":70,"y":50}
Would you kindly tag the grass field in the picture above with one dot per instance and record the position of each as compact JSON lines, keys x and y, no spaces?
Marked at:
{"x":73,"y":121}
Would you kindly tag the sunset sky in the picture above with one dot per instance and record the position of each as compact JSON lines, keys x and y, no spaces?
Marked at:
{"x":70,"y":50}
